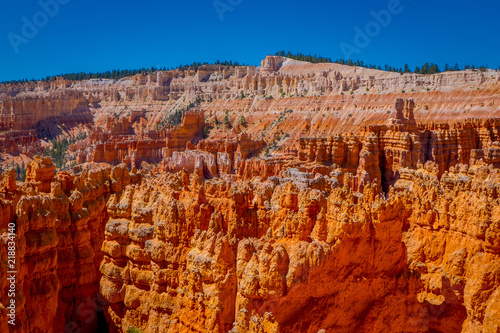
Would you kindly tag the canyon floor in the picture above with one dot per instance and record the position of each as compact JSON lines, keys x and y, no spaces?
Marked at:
{"x":286,"y":197}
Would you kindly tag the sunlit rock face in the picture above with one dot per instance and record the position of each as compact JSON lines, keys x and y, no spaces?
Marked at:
{"x":296,"y":252}
{"x":325,"y":98}
{"x":281,"y":202}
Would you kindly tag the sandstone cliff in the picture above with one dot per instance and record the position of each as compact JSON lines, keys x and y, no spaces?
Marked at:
{"x":313,"y":91}
{"x":177,"y":253}
{"x":60,"y":224}
{"x":293,"y":197}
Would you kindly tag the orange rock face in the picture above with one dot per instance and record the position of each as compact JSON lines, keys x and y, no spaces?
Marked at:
{"x":187,"y":255}
{"x":59,"y":231}
{"x":16,"y":142}
{"x":119,"y":142}
{"x":318,"y":211}
{"x":326,"y":99}
{"x":178,"y":253}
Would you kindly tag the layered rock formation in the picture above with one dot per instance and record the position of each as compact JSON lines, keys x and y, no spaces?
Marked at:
{"x":380,"y":151}
{"x":24,"y":111}
{"x":187,"y":255}
{"x":214,"y":158}
{"x":178,"y":253}
{"x":59,"y":231}
{"x":120,"y":142}
{"x":16,"y":142}
{"x":344,"y":96}
{"x":282,"y":203}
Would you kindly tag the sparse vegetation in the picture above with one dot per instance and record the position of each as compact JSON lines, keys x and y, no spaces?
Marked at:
{"x":176,"y":118}
{"x":242,"y":95}
{"x":116,"y":74}
{"x":206,"y":132}
{"x":242,"y":120}
{"x":227,"y":122}
{"x":427,"y":68}
{"x":20,"y":172}
{"x":59,"y":148}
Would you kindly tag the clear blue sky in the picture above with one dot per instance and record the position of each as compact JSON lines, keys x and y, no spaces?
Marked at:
{"x":92,"y":35}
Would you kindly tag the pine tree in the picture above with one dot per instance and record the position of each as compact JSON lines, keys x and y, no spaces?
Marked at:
{"x":243,"y":120}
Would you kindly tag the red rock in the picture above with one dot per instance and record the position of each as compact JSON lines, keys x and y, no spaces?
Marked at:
{"x":364,"y":220}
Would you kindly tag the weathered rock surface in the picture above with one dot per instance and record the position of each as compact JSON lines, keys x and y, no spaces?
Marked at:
{"x":119,"y":142}
{"x":177,"y":253}
{"x":307,"y":209}
{"x":326,"y":98}
{"x":60,"y":224}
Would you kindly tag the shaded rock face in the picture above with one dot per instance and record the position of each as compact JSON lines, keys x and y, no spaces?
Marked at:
{"x":25,"y":111}
{"x":209,"y":256}
{"x":178,"y":253}
{"x":368,"y":219}
{"x":214,"y":157}
{"x":59,"y":230}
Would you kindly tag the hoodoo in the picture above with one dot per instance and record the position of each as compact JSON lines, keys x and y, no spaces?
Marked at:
{"x":288,"y":197}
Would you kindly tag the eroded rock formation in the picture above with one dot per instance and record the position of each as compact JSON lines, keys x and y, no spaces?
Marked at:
{"x":385,"y":149}
{"x":307,"y":209}
{"x":60,"y":224}
{"x":120,"y":142}
{"x":178,"y":253}
{"x":343,"y":97}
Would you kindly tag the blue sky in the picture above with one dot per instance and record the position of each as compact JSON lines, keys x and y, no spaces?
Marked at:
{"x":91,"y":35}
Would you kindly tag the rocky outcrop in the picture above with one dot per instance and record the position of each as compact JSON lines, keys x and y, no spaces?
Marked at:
{"x":189,"y":131}
{"x":343,"y":97}
{"x":309,"y":209}
{"x":214,"y":158}
{"x":118,"y":141}
{"x":59,"y":229}
{"x":380,"y":151}
{"x":26,"y":111}
{"x":17,"y":142}
{"x":187,"y":255}
{"x":298,"y":252}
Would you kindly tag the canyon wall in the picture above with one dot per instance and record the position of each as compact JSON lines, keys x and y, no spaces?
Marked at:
{"x":195,"y":256}
{"x":59,"y":228}
{"x":292,"y":197}
{"x":23,"y":112}
{"x":325,"y":98}
{"x":120,"y":142}
{"x":375,"y":154}
{"x":174,"y":252}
